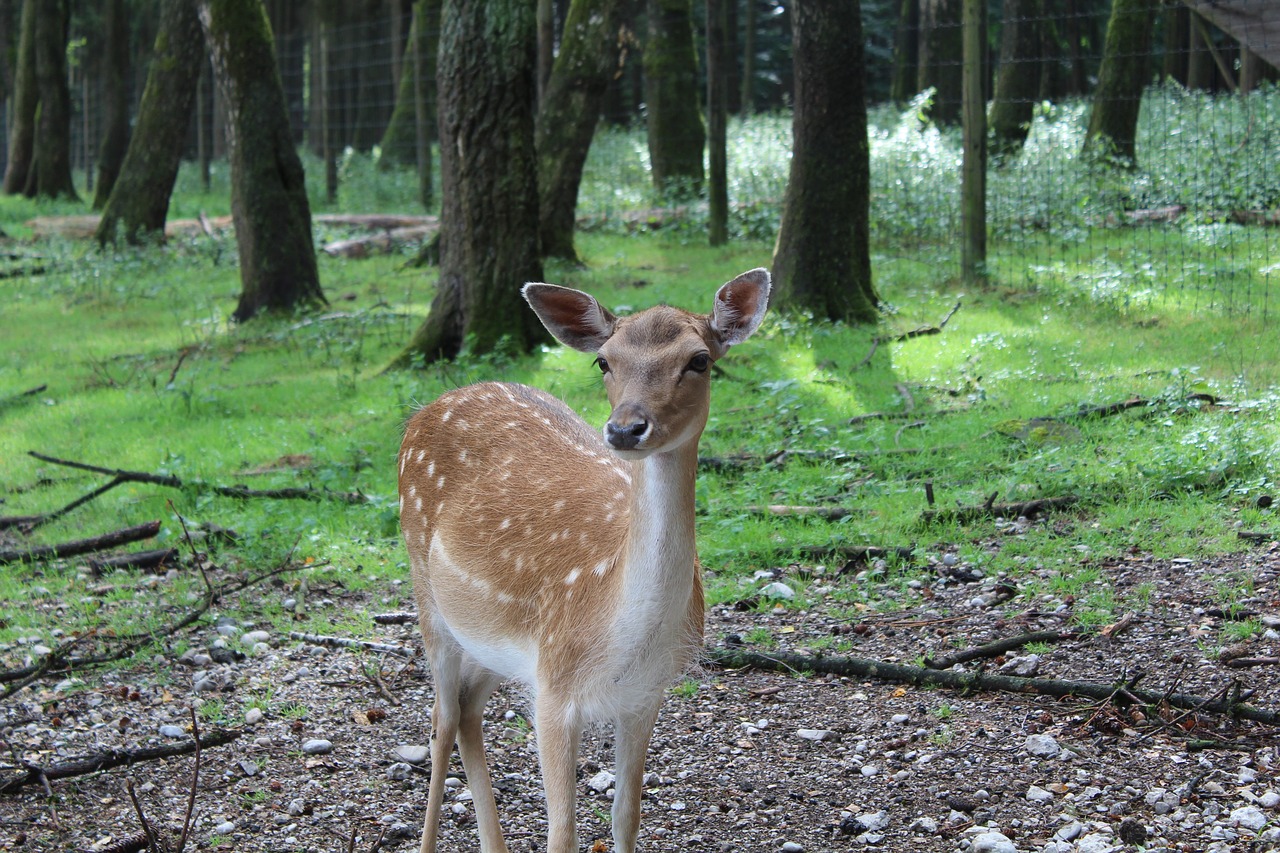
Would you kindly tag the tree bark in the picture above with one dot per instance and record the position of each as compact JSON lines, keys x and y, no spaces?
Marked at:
{"x":139,"y":201}
{"x":568,"y":116}
{"x":53,"y":128}
{"x":115,"y":100}
{"x":489,"y":223}
{"x":1113,"y":122}
{"x":973,"y":191}
{"x":717,"y":116}
{"x":268,"y":193}
{"x":676,"y":134}
{"x":749,"y":56}
{"x":822,"y":262}
{"x":940,"y":57}
{"x":546,"y":23}
{"x":26,"y":100}
{"x":1013,"y":104}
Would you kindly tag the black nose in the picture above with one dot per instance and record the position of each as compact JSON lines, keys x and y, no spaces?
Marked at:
{"x":625,"y":436}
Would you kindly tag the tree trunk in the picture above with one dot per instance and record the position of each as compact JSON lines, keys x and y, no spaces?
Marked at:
{"x":1113,"y":123}
{"x":568,"y":117}
{"x":1013,"y":105}
{"x":139,"y":202}
{"x":941,"y":49}
{"x":115,"y":99}
{"x":676,"y":134}
{"x":546,"y":45}
{"x":268,"y":193}
{"x":400,"y":141}
{"x":1176,"y":30}
{"x":749,"y":56}
{"x":906,"y":52}
{"x":26,"y":101}
{"x":1200,"y":72}
{"x":489,"y":224}
{"x":53,"y":128}
{"x":717,"y":115}
{"x":973,"y":190}
{"x":822,"y":262}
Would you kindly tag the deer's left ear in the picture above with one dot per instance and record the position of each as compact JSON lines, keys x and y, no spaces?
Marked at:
{"x":575,"y":318}
{"x":740,"y":306}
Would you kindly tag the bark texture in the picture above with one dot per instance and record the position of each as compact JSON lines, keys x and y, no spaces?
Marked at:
{"x":115,"y":100}
{"x":268,"y":194}
{"x":940,"y":57}
{"x":139,"y":200}
{"x":53,"y":127}
{"x":489,"y":222}
{"x":822,"y":262}
{"x":676,"y":132}
{"x":717,"y":118}
{"x":568,"y":116}
{"x":1017,"y":80}
{"x":26,"y":100}
{"x":1113,"y":122}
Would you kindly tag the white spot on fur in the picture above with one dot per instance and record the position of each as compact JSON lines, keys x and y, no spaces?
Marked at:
{"x":417,"y":504}
{"x":519,"y":563}
{"x":440,"y":482}
{"x":431,"y":468}
{"x":506,"y":523}
{"x":503,"y":598}
{"x":462,"y":457}
{"x":572,"y":576}
{"x":559,"y":505}
{"x":422,"y":454}
{"x":413,"y":490}
{"x":445,"y":417}
{"x":601,"y":568}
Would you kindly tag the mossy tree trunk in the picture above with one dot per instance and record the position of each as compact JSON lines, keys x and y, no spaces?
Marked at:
{"x":417,"y":74}
{"x":940,"y":57}
{"x":568,"y":117}
{"x":26,"y":101}
{"x":489,"y":222}
{"x":676,"y":132}
{"x":139,"y":200}
{"x":115,"y":100}
{"x":906,"y":52}
{"x":1113,"y":121}
{"x":822,"y":262}
{"x":53,"y":126}
{"x":268,"y":193}
{"x":1017,"y":81}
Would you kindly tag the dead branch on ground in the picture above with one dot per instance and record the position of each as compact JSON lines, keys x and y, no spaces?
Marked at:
{"x":226,"y":491}
{"x":344,"y":643}
{"x":971,"y":681}
{"x":827,"y":513}
{"x":997,"y":648}
{"x":395,"y":618}
{"x":991,"y":509}
{"x":856,"y":554}
{"x":80,"y":546}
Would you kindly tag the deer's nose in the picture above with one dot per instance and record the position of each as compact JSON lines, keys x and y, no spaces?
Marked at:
{"x":626,"y":429}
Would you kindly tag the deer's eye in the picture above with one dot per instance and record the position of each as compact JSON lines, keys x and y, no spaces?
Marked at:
{"x":602,"y":363}
{"x":699,"y":363}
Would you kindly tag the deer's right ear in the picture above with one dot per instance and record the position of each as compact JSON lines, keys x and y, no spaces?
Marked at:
{"x":575,"y":318}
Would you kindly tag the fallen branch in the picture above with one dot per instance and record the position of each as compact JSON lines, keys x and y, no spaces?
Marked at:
{"x":226,"y":491}
{"x":388,"y":241}
{"x":828,"y":513}
{"x":136,"y":560}
{"x":80,"y":546}
{"x":970,"y":681}
{"x":22,"y":395}
{"x":856,"y":554}
{"x":1258,"y":535}
{"x":919,"y":331}
{"x":997,"y":648}
{"x":33,"y":774}
{"x":344,"y":643}
{"x":1244,"y":663}
{"x":395,"y":618}
{"x":34,"y":521}
{"x":990,"y":509}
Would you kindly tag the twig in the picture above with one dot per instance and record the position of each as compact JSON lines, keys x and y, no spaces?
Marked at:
{"x":142,"y":818}
{"x":134,"y":560}
{"x":30,"y":392}
{"x":226,"y":491}
{"x":344,"y":643}
{"x":195,"y":778}
{"x":990,"y":508}
{"x":828,"y":513}
{"x":395,"y":618}
{"x":80,"y":546}
{"x":998,"y":647}
{"x":1244,"y":663}
{"x":113,"y":758}
{"x":855,"y":554}
{"x":1258,"y":535}
{"x":969,"y":681}
{"x":922,"y":330}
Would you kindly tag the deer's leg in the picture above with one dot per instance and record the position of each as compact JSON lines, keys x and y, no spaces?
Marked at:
{"x":559,"y":733}
{"x":479,"y":687}
{"x":631,"y":736}
{"x":445,"y":666}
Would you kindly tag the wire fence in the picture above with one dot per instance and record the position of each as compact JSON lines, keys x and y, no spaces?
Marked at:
{"x":1191,"y":220}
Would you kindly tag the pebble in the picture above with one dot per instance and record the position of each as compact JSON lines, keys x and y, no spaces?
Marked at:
{"x":296,"y":807}
{"x":900,"y":719}
{"x":1250,"y":817}
{"x":317,"y":746}
{"x":249,"y":768}
{"x":1042,"y":746}
{"x":412,"y":753}
{"x":1095,"y":842}
{"x":1269,"y":800}
{"x":872,"y":821}
{"x":254,"y":637}
{"x":1036,"y":794}
{"x":399,"y":771}
{"x":172,"y":731}
{"x":253,"y":716}
{"x":817,"y":734}
{"x":1024,"y":666}
{"x":224,"y":828}
{"x":601,"y":782}
{"x":992,"y":842}
{"x":777,"y":589}
{"x":792,"y":847}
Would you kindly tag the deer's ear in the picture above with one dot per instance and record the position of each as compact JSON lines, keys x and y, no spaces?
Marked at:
{"x":575,"y":318}
{"x":740,"y":306}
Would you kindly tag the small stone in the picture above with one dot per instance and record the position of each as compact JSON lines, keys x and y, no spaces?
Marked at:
{"x":399,"y":771}
{"x":1095,"y":842}
{"x":872,"y":821}
{"x":1247,"y":776}
{"x":201,"y":659}
{"x":224,"y":828}
{"x":1070,"y":832}
{"x":296,"y":807}
{"x":249,"y":768}
{"x":253,"y":716}
{"x":1036,"y":794}
{"x":1269,"y":800}
{"x":601,"y":782}
{"x":289,"y":603}
{"x":869,"y":770}
{"x":778,"y":589}
{"x":252,"y":638}
{"x":925,"y":825}
{"x":1250,"y":817}
{"x":452,"y":782}
{"x":412,"y":753}
{"x":1042,"y":746}
{"x":900,"y":719}
{"x":41,"y":649}
{"x":992,"y":842}
{"x":227,"y":630}
{"x":260,"y":650}
{"x":1131,"y":831}
{"x":817,"y":734}
{"x":792,"y":847}
{"x":172,"y":731}
{"x":1025,"y":666}
{"x":317,"y":746}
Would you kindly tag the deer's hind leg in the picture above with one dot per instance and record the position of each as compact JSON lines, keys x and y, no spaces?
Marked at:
{"x":478,"y":687}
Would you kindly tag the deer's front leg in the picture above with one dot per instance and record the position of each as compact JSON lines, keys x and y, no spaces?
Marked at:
{"x":631,"y":736}
{"x":558,"y":737}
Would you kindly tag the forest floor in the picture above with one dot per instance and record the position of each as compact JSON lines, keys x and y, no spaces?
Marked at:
{"x":742,"y":760}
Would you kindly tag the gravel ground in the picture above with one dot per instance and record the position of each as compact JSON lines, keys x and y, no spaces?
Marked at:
{"x":749,"y":761}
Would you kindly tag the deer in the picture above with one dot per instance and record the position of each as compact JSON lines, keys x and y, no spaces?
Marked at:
{"x":560,"y":556}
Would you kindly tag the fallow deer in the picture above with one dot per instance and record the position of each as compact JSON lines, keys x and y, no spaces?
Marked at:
{"x":544,"y":552}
